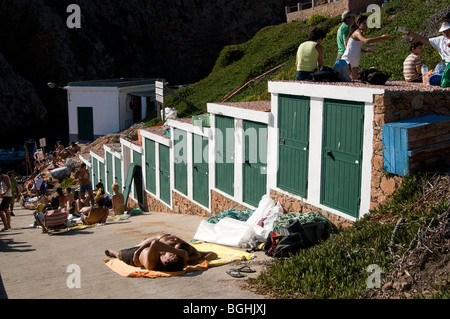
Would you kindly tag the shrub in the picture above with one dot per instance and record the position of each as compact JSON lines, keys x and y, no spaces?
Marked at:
{"x":229,"y":55}
{"x":316,"y":19}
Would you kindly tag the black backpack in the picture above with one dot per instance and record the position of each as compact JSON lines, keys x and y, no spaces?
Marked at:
{"x":288,"y":245}
{"x":373,"y":76}
{"x":325,"y":74}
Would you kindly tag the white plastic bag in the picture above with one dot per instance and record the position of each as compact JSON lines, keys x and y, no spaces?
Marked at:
{"x":265,"y":205}
{"x":229,"y":232}
{"x":274,"y":213}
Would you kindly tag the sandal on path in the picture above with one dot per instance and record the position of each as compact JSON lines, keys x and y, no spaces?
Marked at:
{"x":245,"y":269}
{"x":235,"y":273}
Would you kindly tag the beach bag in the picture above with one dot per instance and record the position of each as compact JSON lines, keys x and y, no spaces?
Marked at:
{"x":325,"y":74}
{"x":311,"y":233}
{"x":373,"y":76}
{"x":288,"y":245}
{"x":271,"y":243}
{"x":293,"y":227}
{"x":445,"y":82}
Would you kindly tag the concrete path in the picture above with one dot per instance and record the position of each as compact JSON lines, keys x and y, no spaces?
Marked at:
{"x":36,"y":265}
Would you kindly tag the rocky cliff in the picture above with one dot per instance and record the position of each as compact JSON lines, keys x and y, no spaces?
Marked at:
{"x":177,"y":39}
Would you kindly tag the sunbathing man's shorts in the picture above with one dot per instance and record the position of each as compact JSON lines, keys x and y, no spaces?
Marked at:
{"x":126,"y":255}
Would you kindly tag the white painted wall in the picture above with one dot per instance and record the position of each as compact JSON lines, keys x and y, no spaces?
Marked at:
{"x":111,"y":111}
{"x":105,"y":104}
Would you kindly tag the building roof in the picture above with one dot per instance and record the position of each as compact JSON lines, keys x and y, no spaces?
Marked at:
{"x":117,"y":83}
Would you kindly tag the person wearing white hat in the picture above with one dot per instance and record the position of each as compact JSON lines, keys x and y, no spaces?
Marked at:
{"x":441,"y":43}
{"x":348,"y":20}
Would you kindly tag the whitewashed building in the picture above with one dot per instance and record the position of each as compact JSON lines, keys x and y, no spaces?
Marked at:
{"x":100,"y":107}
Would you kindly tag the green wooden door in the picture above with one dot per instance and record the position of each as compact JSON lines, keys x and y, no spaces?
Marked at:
{"x":342,"y":155}
{"x":224,"y":153}
{"x":150,"y":165}
{"x":95,"y":177}
{"x":200,"y":170}
{"x":109,"y":173}
{"x":137,"y":159}
{"x":255,"y":162}
{"x":101,"y":170}
{"x":293,"y":147}
{"x":85,"y":123}
{"x":180,"y":160}
{"x":164,"y":173}
{"x":118,"y":172}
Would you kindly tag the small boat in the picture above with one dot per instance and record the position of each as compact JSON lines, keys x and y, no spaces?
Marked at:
{"x":11,"y":156}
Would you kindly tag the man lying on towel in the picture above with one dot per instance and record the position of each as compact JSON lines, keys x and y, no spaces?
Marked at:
{"x":162,"y":252}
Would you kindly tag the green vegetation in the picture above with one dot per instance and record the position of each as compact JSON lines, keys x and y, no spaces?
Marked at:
{"x":275,"y":45}
{"x":337,"y":267}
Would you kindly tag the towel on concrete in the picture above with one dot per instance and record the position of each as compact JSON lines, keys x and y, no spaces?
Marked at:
{"x":126,"y":270}
{"x":225,"y":254}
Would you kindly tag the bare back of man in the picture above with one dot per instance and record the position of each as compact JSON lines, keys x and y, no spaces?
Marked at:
{"x":93,"y":215}
{"x":118,"y":204}
{"x":153,"y":252}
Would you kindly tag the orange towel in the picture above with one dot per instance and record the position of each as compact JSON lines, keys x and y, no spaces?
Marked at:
{"x":126,"y":270}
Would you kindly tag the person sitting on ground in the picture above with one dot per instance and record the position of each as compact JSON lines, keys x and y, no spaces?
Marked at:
{"x":73,"y":149}
{"x":412,"y":66}
{"x":63,"y":153}
{"x":310,"y":55}
{"x":100,"y":189}
{"x":355,"y":40}
{"x":55,"y":159}
{"x":118,"y":202}
{"x":39,"y":215}
{"x":95,"y":214}
{"x":163,"y":252}
{"x":61,"y":197}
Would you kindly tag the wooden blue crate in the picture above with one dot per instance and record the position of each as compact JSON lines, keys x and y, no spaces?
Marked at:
{"x":410,"y":143}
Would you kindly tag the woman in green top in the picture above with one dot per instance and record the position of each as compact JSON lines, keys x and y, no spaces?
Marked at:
{"x":310,"y":55}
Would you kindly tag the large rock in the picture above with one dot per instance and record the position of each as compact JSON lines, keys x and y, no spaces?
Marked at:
{"x":178,"y":40}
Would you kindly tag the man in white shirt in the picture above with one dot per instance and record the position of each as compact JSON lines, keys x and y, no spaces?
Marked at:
{"x":441,"y":43}
{"x":6,"y":195}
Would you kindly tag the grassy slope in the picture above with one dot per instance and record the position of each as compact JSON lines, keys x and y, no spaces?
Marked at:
{"x":275,"y":45}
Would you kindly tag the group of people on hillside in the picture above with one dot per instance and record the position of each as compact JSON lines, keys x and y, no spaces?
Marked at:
{"x":350,"y":40}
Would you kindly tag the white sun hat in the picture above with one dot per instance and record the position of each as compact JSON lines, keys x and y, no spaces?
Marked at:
{"x":445,"y":26}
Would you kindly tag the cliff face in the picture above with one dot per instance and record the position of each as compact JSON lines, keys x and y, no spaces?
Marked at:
{"x":178,"y":40}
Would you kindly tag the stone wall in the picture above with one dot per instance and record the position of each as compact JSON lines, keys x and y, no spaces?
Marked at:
{"x":332,"y":9}
{"x":293,"y":205}
{"x":219,"y":203}
{"x":395,"y":106}
{"x":181,"y":205}
{"x":329,"y":10}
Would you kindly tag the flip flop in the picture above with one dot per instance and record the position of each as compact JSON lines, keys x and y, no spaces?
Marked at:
{"x":245,"y":269}
{"x":235,"y":273}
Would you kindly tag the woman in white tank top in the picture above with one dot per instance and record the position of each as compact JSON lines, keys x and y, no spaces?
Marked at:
{"x":355,"y":41}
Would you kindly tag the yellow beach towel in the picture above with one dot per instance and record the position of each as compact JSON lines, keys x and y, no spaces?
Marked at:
{"x":225,"y":255}
{"x":126,"y":270}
